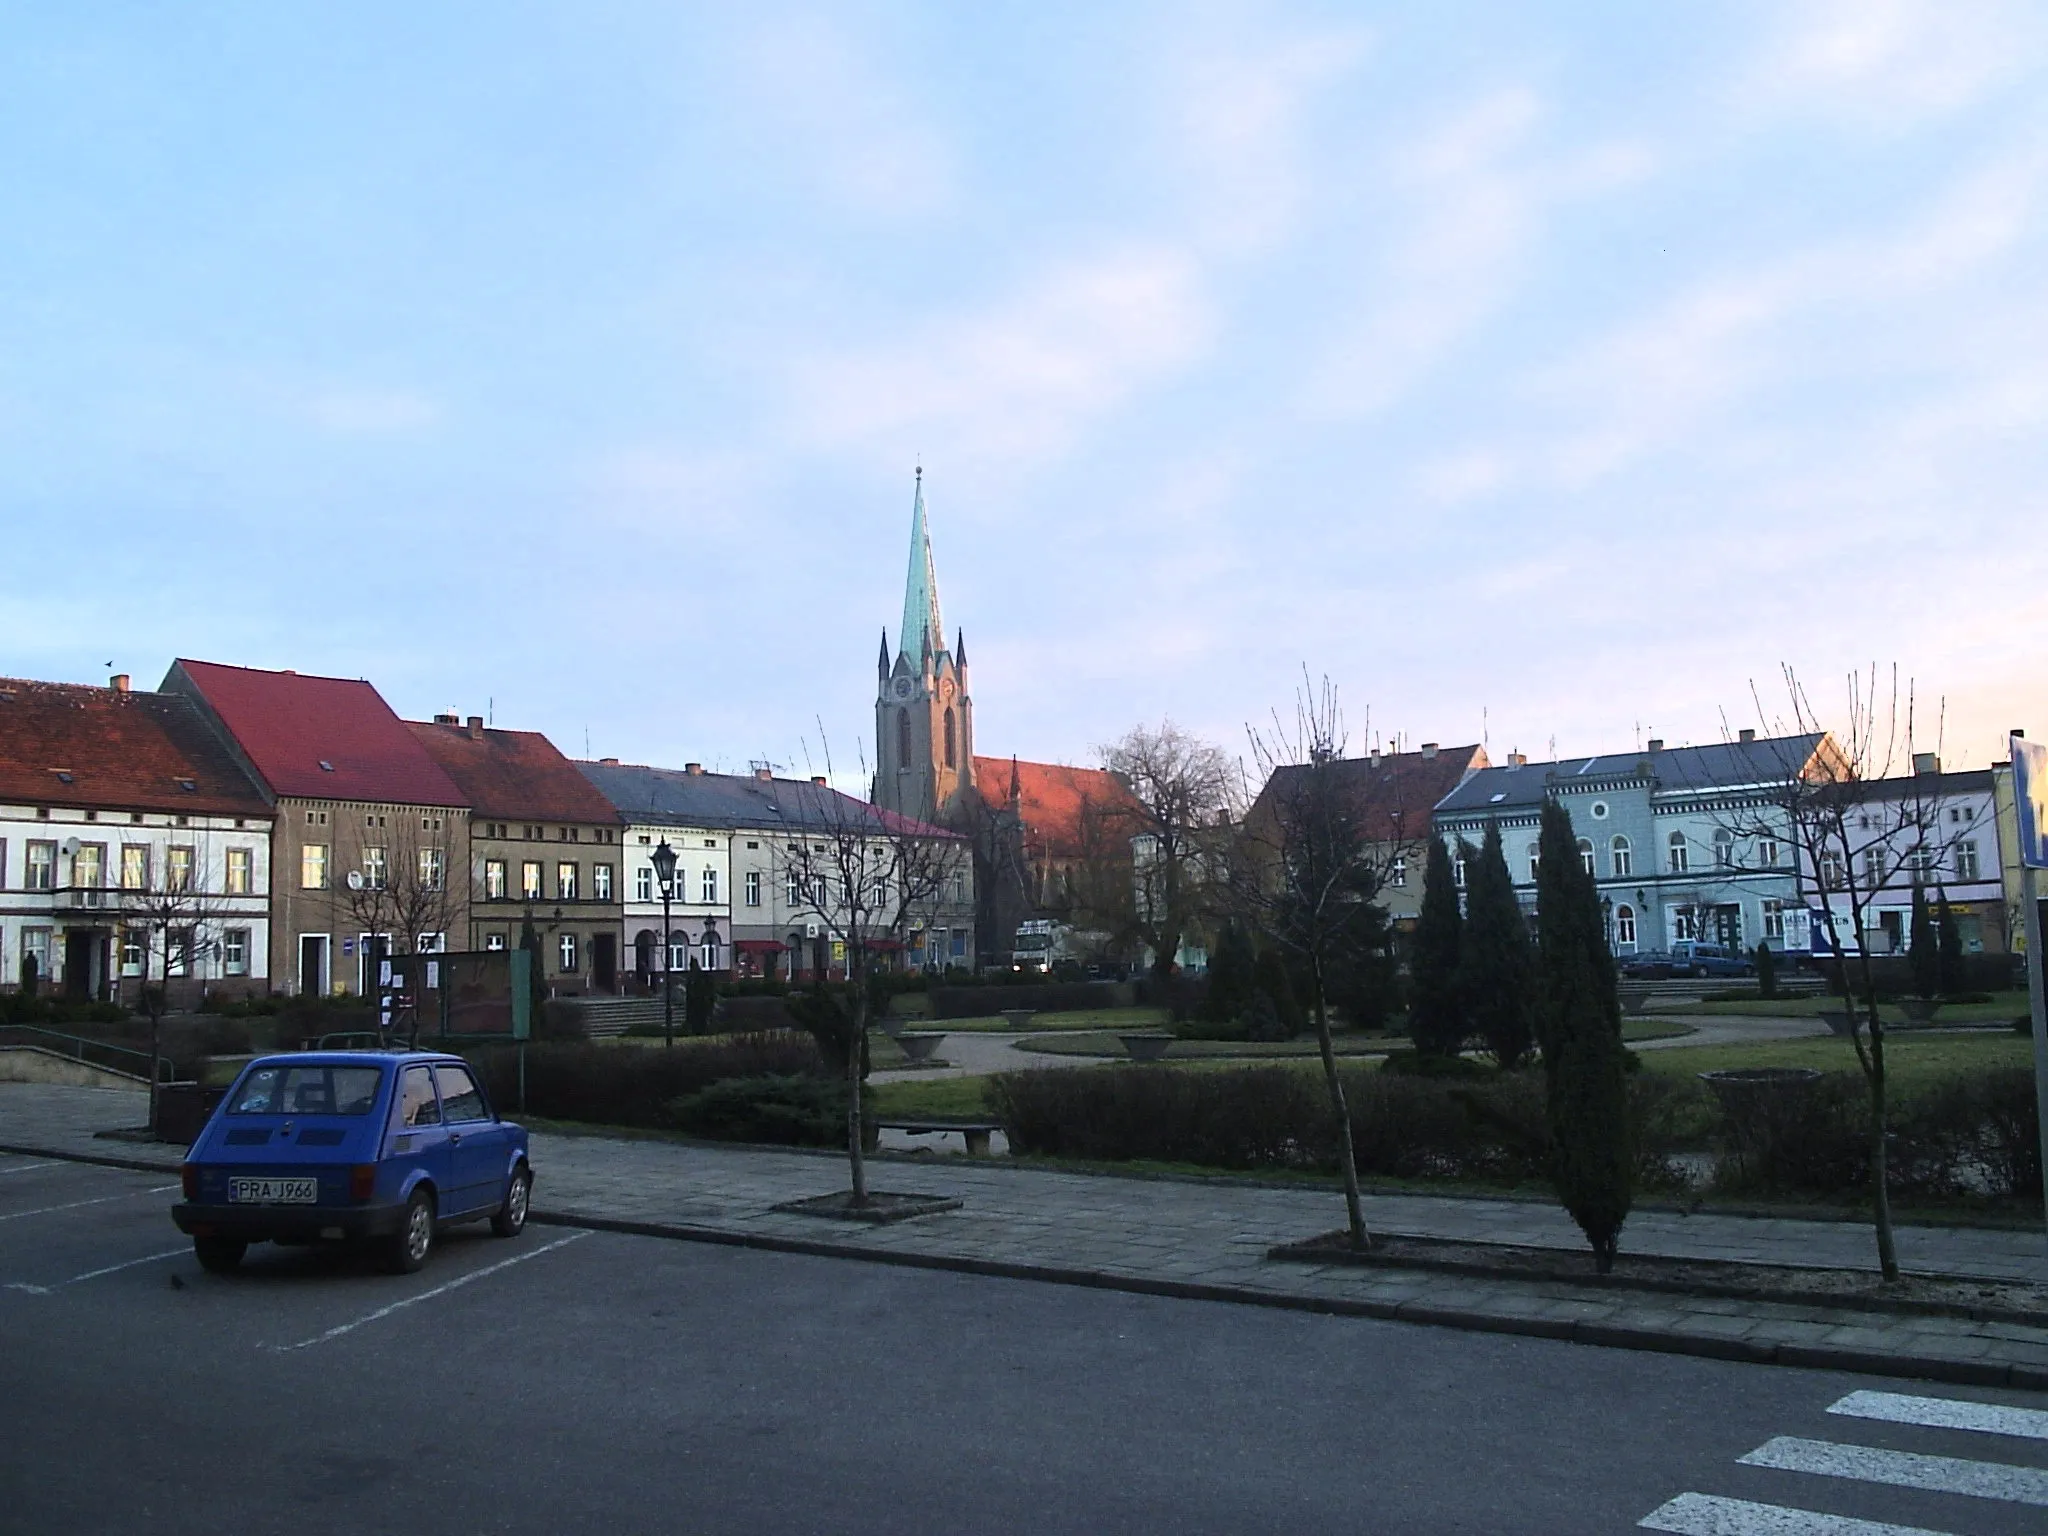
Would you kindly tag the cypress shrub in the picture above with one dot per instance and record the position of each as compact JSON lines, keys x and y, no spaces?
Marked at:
{"x":1585,"y":1063}
{"x":1276,"y":985}
{"x":1923,"y":949}
{"x":1232,"y":978}
{"x":1436,"y":1013}
{"x":1766,"y":971}
{"x":1954,"y":973}
{"x":783,"y":1111}
{"x":1497,"y":963}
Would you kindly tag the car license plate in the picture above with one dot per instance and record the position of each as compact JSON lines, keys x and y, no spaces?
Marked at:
{"x":274,"y":1191}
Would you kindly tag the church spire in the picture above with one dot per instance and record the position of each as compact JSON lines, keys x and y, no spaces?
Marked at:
{"x":923,"y":630}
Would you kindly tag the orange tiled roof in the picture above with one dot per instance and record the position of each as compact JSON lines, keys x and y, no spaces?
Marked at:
{"x":516,"y":775}
{"x":102,"y":748}
{"x":1051,"y":797}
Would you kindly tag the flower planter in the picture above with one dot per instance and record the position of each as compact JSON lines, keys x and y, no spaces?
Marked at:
{"x":1920,"y":1010}
{"x":1146,"y":1047}
{"x":919,"y":1047}
{"x":1019,"y":1018}
{"x":1840,"y":1023}
{"x":1634,"y":1001}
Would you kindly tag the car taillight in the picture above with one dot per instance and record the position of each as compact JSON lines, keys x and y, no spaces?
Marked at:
{"x":188,"y":1175}
{"x":362,"y":1182}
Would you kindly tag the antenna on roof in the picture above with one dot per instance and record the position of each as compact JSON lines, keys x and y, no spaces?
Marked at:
{"x":1485,"y":733}
{"x":586,"y":741}
{"x":491,"y":712}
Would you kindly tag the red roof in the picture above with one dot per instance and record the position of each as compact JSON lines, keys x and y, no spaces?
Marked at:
{"x":72,"y":745}
{"x":319,"y":738}
{"x":1051,"y":796}
{"x":1396,"y":792}
{"x":519,"y":775}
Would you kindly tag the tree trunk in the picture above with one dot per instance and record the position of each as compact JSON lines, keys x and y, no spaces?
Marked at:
{"x":1354,"y":1208}
{"x":856,"y":1154}
{"x":1880,"y":1169}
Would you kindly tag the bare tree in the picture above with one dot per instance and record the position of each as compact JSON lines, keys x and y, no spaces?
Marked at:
{"x":867,"y":876}
{"x":405,"y":893}
{"x":1304,"y":872}
{"x":173,"y":916}
{"x":1184,"y":798}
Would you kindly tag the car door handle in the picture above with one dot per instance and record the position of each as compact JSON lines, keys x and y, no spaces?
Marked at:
{"x":454,"y":1137}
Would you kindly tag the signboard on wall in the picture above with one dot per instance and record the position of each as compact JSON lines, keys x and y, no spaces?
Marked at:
{"x":2030,"y":798}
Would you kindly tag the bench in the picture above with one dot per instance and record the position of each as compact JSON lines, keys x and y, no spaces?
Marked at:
{"x":974,"y":1132}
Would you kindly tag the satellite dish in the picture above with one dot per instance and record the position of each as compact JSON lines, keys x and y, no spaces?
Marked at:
{"x":70,"y":847}
{"x":355,"y":879}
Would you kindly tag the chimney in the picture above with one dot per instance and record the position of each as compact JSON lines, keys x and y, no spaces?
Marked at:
{"x":1925,"y":764}
{"x":2016,"y":731}
{"x":1656,"y":743}
{"x":1372,"y":758}
{"x":476,"y":727}
{"x":695,"y":770}
{"x":1429,"y":749}
{"x":1518,"y":759}
{"x":1745,"y":736}
{"x":118,"y":682}
{"x":609,"y":762}
{"x":447,"y":719}
{"x":765,"y":775}
{"x":818,"y":779}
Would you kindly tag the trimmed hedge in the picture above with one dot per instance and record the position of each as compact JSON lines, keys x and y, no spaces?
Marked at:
{"x":958,"y":1002}
{"x":782,"y":1111}
{"x":634,"y":1085}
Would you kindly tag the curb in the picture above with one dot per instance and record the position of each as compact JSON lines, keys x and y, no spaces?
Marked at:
{"x":1969,"y":1373}
{"x":99,"y":1159}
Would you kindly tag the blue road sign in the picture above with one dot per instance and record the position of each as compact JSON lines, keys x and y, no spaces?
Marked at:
{"x":2030,"y":792}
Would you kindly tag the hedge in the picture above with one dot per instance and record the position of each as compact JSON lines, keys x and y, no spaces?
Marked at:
{"x":635,"y":1085}
{"x":958,"y":1002}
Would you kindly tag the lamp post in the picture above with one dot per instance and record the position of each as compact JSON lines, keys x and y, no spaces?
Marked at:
{"x":665,"y":876}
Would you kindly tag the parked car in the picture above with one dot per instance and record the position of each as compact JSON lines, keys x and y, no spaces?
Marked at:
{"x":387,"y":1147}
{"x":1688,"y":957}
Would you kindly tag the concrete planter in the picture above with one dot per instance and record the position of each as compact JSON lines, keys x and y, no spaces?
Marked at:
{"x":920,"y":1046}
{"x":1146,"y":1047}
{"x":1921,"y":1010}
{"x":1019,"y":1018}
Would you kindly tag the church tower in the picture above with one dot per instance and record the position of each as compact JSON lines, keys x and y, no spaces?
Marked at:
{"x":924,"y":718}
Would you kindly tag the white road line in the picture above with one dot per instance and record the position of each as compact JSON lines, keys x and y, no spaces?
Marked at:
{"x":1945,"y":1413}
{"x":1904,"y":1469}
{"x":76,"y":1204}
{"x":27,"y":1167}
{"x":94,"y":1274}
{"x":1703,"y":1514}
{"x":440,"y":1290}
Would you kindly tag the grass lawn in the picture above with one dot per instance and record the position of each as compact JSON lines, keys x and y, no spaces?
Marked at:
{"x":1106,"y":1044}
{"x":1910,"y":1059}
{"x":2003,"y":1007}
{"x":943,"y":1098}
{"x":1079,"y":1018}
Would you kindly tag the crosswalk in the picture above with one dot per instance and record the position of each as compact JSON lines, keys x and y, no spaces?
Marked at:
{"x":1998,"y":1482}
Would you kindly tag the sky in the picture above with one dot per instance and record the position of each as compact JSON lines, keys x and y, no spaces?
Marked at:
{"x":1548,"y":375}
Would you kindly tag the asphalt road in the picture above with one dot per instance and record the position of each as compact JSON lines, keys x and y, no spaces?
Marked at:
{"x":567,"y":1381}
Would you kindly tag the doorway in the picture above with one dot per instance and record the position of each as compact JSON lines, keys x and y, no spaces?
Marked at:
{"x":312,"y":965}
{"x":604,"y":961}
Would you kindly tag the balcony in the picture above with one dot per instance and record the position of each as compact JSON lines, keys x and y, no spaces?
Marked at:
{"x":85,"y":898}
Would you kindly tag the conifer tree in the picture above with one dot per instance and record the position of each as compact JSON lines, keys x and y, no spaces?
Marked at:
{"x":1923,"y":949}
{"x":1954,"y":977}
{"x":1231,"y":982}
{"x":1277,"y":986}
{"x":1585,"y":1063}
{"x":1436,"y":1011}
{"x":1498,"y":969}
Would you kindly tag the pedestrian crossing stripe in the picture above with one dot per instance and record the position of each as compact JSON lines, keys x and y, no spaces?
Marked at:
{"x":1945,"y":1413}
{"x":1703,"y":1514}
{"x":1903,"y":1469}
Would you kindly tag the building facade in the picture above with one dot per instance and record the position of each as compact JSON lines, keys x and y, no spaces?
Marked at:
{"x":1931,"y":833}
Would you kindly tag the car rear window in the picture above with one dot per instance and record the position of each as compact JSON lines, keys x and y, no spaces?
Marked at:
{"x":307,"y":1091}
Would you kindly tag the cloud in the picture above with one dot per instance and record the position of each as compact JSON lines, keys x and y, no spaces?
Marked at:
{"x":1021,"y":379}
{"x":372,"y":412}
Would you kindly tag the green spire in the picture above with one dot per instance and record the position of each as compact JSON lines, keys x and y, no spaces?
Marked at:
{"x":923,"y":629}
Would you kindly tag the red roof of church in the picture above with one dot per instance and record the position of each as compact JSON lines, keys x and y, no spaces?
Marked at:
{"x":104,"y":748}
{"x":320,"y":738}
{"x":513,"y":774}
{"x":1050,"y":797}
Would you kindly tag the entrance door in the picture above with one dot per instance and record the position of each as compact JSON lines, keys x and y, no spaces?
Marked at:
{"x":79,"y":954}
{"x":313,"y":965}
{"x":604,"y":961}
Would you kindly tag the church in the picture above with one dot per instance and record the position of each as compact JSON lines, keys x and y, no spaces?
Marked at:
{"x":1033,"y":825}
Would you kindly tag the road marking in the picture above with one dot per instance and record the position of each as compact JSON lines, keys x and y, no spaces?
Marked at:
{"x":1703,"y":1514}
{"x":1903,"y":1469}
{"x":1945,"y":1413}
{"x":94,"y":1274}
{"x":45,"y":1210}
{"x":27,"y":1167}
{"x":440,"y":1290}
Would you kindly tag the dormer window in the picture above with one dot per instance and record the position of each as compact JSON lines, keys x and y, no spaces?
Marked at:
{"x":190,"y":786}
{"x":63,"y":775}
{"x":326,"y":766}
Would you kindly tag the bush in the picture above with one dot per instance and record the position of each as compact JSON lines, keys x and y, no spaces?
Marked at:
{"x":953,"y":1001}
{"x":784,"y":1111}
{"x":634,"y":1085}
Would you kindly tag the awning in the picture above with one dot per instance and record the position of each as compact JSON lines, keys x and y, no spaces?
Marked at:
{"x":759,"y":946}
{"x":882,"y":943}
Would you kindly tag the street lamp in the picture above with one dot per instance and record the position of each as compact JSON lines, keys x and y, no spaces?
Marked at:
{"x":665,"y":877}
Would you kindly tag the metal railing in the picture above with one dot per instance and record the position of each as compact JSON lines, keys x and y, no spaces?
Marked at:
{"x":125,"y":1059}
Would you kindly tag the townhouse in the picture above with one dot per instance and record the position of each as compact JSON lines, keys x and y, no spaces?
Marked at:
{"x":1933,"y":833}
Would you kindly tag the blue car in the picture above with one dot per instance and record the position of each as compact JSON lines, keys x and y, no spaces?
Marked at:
{"x":386,"y":1147}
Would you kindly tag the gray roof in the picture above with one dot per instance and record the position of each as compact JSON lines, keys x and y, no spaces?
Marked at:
{"x":1724,"y":764}
{"x":675,"y":797}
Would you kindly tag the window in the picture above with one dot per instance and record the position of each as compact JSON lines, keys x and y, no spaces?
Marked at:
{"x":234,"y":951}
{"x":238,"y":872}
{"x":566,"y":949}
{"x":313,"y":867}
{"x":433,"y":868}
{"x":42,"y":868}
{"x":1625,"y":926}
{"x":1966,"y":861}
{"x":1586,"y":855}
{"x":1831,"y":873}
{"x":132,"y":940}
{"x":1921,"y":863}
{"x":1873,"y":867}
{"x":494,"y":941}
{"x":1458,"y":869}
{"x":1535,"y":859}
{"x":1724,"y":848}
{"x":959,"y":885}
{"x":1681,"y":855}
{"x":529,"y":879}
{"x":178,"y":944}
{"x":375,"y":867}
{"x":178,"y":870}
{"x":1599,"y":810}
{"x":949,"y":739}
{"x":709,"y":884}
{"x":416,"y":1103}
{"x":710,"y":953}
{"x":134,"y":868}
{"x":1685,"y":923}
{"x":494,"y":879}
{"x":321,"y":1091}
{"x":1624,"y":857}
{"x":35,"y":951}
{"x":1767,"y":853}
{"x":1774,"y":920}
{"x":1397,"y":872}
{"x":461,"y":1099}
{"x":601,"y":882}
{"x":902,"y":738}
{"x":678,"y":950}
{"x":87,"y":867}
{"x":643,"y":883}
{"x":753,"y":887}
{"x":565,"y":882}
{"x":792,"y":890}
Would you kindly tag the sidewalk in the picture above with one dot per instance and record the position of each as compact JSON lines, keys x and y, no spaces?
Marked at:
{"x":1208,"y":1239}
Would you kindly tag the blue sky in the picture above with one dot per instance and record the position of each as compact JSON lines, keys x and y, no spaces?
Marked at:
{"x":1547,"y":371}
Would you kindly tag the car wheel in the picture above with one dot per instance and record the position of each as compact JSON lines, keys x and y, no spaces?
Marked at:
{"x":509,"y":1220}
{"x":415,"y":1239}
{"x":219,"y":1255}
